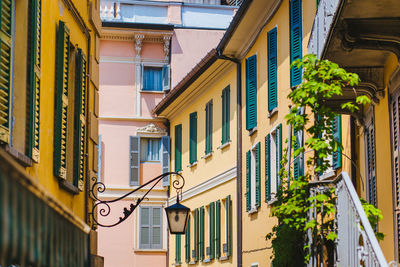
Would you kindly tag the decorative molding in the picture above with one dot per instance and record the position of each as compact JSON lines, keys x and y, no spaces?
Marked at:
{"x":132,"y":119}
{"x":207,"y":185}
{"x":151,"y":130}
{"x":167,"y":41}
{"x":138,"y":44}
{"x":148,"y":36}
{"x":133,"y":60}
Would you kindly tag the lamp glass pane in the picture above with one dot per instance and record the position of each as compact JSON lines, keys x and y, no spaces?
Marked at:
{"x":177,"y":220}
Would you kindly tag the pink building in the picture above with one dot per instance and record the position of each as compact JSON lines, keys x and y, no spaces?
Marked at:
{"x":146,"y":48}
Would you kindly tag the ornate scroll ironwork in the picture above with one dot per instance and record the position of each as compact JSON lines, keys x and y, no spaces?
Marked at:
{"x":105,"y":209}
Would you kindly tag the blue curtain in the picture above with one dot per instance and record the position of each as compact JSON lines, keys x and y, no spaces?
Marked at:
{"x":152,"y":79}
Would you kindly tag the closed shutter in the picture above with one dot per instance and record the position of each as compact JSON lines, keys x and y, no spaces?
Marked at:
{"x":248,"y":180}
{"x":34,"y":80}
{"x":268,"y":168}
{"x":337,"y":134}
{"x":165,"y":159}
{"x":229,"y":225}
{"x":178,"y":147}
{"x":272,"y":69}
{"x":134,"y":162}
{"x":60,"y":135}
{"x":218,"y":229}
{"x":193,"y":138}
{"x":225,"y":115}
{"x":212,"y":230}
{"x":187,"y":241}
{"x":258,"y":175}
{"x":251,"y":92}
{"x":209,"y":125}
{"x":166,"y":77}
{"x":156,"y":228}
{"x":6,"y":19}
{"x":369,"y":136}
{"x":150,"y":235}
{"x":145,"y":225}
{"x":296,"y":35}
{"x":177,"y":249}
{"x":80,"y":112}
{"x":201,"y":233}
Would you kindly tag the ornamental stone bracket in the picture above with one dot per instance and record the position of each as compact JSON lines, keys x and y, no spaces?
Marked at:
{"x":151,"y":130}
{"x":138,"y":44}
{"x":167,"y":41}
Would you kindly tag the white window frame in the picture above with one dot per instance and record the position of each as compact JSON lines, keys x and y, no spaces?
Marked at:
{"x":155,"y":65}
{"x":274,"y":146}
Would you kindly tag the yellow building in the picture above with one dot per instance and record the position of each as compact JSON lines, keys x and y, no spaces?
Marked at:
{"x":48,"y":132}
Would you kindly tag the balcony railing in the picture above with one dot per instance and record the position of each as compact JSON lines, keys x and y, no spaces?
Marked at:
{"x":356,"y":244}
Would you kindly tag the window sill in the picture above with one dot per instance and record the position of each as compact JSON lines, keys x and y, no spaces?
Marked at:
{"x":68,"y":186}
{"x":224,"y":258}
{"x":152,"y":91}
{"x":226,"y":144}
{"x":149,"y":250}
{"x":207,"y":155}
{"x":252,"y":131}
{"x":253,"y":210}
{"x":207,"y":260}
{"x":273,"y":112}
{"x":192,"y":164}
{"x":151,"y":162}
{"x":177,"y":264}
{"x":20,"y":157}
{"x":192,"y":262}
{"x":327,"y":175}
{"x":272,"y":201}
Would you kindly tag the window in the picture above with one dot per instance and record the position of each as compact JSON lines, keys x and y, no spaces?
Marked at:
{"x":209,"y":127}
{"x":70,"y":110}
{"x":150,"y":235}
{"x":225,"y":115}
{"x":178,"y":147}
{"x":369,"y":141}
{"x":251,"y":92}
{"x":253,"y":190}
{"x":273,"y":157}
{"x":152,"y":79}
{"x":296,"y":42}
{"x":193,"y":138}
{"x":150,"y":149}
{"x":272,"y":69}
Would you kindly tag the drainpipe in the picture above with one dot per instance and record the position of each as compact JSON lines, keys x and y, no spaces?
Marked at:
{"x":238,"y":153}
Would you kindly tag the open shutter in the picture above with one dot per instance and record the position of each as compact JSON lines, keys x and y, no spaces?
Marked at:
{"x":80,"y":112}
{"x":178,"y":147}
{"x":166,"y":77}
{"x":251,"y":92}
{"x":258,"y":175}
{"x":5,"y":68}
{"x":196,"y":234}
{"x":187,"y":241}
{"x":225,"y":115}
{"x":272,"y":69}
{"x":248,"y":180}
{"x":212,"y":230}
{"x":60,"y":135}
{"x":369,"y":139}
{"x":218,"y":229}
{"x":209,"y":125}
{"x":134,"y":162}
{"x":337,"y":134}
{"x":268,"y":168}
{"x":165,"y":159}
{"x":145,"y":228}
{"x":156,"y":228}
{"x":34,"y":80}
{"x":202,"y":233}
{"x":278,"y":156}
{"x":177,"y":249}
{"x":296,"y":35}
{"x":193,"y":138}
{"x":229,"y":225}
{"x":298,"y":165}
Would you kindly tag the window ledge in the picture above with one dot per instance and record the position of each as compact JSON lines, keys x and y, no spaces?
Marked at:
{"x":252,"y":131}
{"x":20,"y":157}
{"x":207,"y":260}
{"x":151,"y":91}
{"x":273,"y":112}
{"x":226,"y":144}
{"x":224,"y":258}
{"x":192,"y":164}
{"x":68,"y":186}
{"x":207,"y":155}
{"x":253,"y":210}
{"x":272,"y":201}
{"x":149,"y":250}
{"x":192,"y":262}
{"x":177,"y":264}
{"x":327,"y":175}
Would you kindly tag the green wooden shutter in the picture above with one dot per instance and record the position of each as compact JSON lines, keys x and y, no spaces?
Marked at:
{"x":296,"y":35}
{"x":5,"y":68}
{"x":258,"y":175}
{"x":278,"y":155}
{"x":177,"y":248}
{"x":337,"y":134}
{"x":225,"y":115}
{"x":187,"y":241}
{"x":178,"y":147}
{"x":60,"y":135}
{"x":251,"y":92}
{"x":248,"y":180}
{"x":34,"y":80}
{"x":272,"y":69}
{"x":80,"y":121}
{"x":229,"y":225}
{"x":209,"y":125}
{"x":196,"y":235}
{"x":193,"y":138}
{"x":268,"y":168}
{"x":212,"y":230}
{"x":201,"y":234}
{"x":218,"y":230}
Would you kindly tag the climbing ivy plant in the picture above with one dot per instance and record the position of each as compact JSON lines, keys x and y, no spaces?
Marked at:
{"x":310,"y":113}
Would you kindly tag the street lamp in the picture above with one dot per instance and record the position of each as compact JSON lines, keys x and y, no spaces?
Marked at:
{"x":177,"y":214}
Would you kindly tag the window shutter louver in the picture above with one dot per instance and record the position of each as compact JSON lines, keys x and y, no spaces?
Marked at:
{"x":178,"y":147}
{"x":196,"y":235}
{"x":80,"y":119}
{"x":248,"y":180}
{"x":165,"y":159}
{"x":258,"y":176}
{"x":201,"y":233}
{"x":251,"y":92}
{"x":218,"y":230}
{"x":60,"y":135}
{"x":156,"y":228}
{"x":267,"y":168}
{"x":212,"y":230}
{"x":337,"y":134}
{"x":6,"y":18}
{"x":369,"y":136}
{"x":225,"y":115}
{"x":296,"y":35}
{"x":34,"y":80}
{"x":134,"y":162}
{"x":279,"y":156}
{"x":193,"y":138}
{"x":177,"y":248}
{"x":187,"y":241}
{"x":209,"y":125}
{"x":272,"y":69}
{"x":145,"y":225}
{"x":229,"y":225}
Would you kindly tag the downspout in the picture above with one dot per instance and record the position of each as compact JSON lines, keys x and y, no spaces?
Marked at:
{"x":238,"y":153}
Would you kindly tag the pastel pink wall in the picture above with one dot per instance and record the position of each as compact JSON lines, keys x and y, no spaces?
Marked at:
{"x":149,"y":101}
{"x":188,"y":47}
{"x":152,"y":50}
